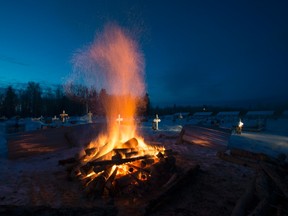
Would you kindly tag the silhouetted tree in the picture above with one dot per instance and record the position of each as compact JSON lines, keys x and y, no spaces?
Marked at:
{"x":93,"y":102}
{"x":31,"y":100}
{"x":49,"y":103}
{"x":9,"y":102}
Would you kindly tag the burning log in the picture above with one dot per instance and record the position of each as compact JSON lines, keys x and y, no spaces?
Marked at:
{"x":118,"y":161}
{"x":117,"y":157}
{"x":124,"y":150}
{"x":109,"y":186}
{"x":161,"y":171}
{"x":100,"y":175}
{"x":86,"y":169}
{"x":91,"y":151}
{"x":126,"y":180}
{"x":75,"y":173}
{"x":86,"y":180}
{"x":147,"y":161}
{"x":139,"y":168}
{"x":96,"y":187}
{"x":131,"y":143}
{"x":131,"y":154}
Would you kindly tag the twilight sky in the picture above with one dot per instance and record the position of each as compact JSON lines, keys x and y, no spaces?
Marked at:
{"x":196,"y":51}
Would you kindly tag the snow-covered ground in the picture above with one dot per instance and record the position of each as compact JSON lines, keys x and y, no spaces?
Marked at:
{"x":41,"y":181}
{"x":272,"y":141}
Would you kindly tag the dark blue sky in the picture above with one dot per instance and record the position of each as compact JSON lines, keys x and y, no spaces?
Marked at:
{"x":196,"y":52}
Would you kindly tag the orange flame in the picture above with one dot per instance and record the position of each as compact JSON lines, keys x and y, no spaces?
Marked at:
{"x":116,"y":62}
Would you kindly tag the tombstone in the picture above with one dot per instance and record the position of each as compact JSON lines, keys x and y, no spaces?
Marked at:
{"x":119,"y":119}
{"x":55,"y":118}
{"x":89,"y":116}
{"x":63,"y":116}
{"x":155,"y":122}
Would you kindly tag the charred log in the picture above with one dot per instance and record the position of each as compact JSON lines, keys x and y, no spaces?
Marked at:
{"x":117,"y":161}
{"x":110,"y":186}
{"x":96,"y":187}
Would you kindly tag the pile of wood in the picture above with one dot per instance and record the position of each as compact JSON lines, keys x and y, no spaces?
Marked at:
{"x":101,"y":176}
{"x":267,"y":193}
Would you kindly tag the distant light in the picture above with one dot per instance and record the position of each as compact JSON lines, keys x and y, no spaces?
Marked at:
{"x":240,"y":124}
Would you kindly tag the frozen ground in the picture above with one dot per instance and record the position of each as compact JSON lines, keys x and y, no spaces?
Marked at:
{"x":40,"y":181}
{"x":272,"y":141}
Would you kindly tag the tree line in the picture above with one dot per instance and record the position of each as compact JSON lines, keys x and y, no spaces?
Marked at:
{"x":35,"y":101}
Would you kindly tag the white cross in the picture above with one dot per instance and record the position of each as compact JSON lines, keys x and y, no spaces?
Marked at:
{"x":89,"y":114}
{"x":63,"y":116}
{"x":156,"y":121}
{"x":119,"y":119}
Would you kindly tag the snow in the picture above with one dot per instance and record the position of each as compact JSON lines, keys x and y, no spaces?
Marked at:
{"x":272,"y":141}
{"x":39,"y":180}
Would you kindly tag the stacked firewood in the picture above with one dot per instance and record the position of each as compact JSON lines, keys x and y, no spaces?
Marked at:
{"x":267,"y":193}
{"x":102,"y":176}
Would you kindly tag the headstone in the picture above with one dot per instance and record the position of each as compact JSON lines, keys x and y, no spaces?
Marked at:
{"x":55,"y":118}
{"x":156,"y":121}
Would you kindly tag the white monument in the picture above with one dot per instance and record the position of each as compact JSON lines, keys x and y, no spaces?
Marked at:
{"x":156,"y":121}
{"x":55,"y":118}
{"x":63,"y":116}
{"x":89,"y":116}
{"x":119,"y":119}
